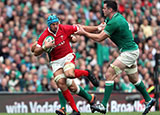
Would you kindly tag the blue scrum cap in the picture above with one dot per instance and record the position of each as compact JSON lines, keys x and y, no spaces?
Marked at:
{"x":51,"y":19}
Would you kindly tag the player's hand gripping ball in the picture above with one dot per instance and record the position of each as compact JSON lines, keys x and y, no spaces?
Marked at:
{"x":48,"y":39}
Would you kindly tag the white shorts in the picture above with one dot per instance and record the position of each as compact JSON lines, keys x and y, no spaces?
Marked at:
{"x":57,"y":64}
{"x":129,"y":58}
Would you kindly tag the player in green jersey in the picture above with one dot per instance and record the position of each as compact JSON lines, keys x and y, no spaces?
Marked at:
{"x":117,"y":29}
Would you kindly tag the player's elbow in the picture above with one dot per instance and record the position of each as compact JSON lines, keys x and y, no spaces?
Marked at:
{"x":36,"y":53}
{"x":32,"y":50}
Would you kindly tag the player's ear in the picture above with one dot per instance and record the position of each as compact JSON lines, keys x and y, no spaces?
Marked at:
{"x":111,"y":10}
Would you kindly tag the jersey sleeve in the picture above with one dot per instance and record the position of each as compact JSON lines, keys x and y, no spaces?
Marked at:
{"x":70,"y":29}
{"x":110,"y":28}
{"x":40,"y":40}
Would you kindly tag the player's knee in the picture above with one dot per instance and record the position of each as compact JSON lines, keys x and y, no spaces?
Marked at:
{"x":69,"y":70}
{"x":60,"y":81}
{"x":70,"y":74}
{"x":61,"y":84}
{"x":73,"y":89}
{"x":110,"y":74}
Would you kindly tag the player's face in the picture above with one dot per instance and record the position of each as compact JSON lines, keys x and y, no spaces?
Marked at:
{"x":54,"y":26}
{"x":106,"y":10}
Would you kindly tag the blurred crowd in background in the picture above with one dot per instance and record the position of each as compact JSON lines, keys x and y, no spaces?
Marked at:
{"x":21,"y":22}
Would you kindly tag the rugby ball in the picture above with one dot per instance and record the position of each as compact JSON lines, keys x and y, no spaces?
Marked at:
{"x":48,"y":39}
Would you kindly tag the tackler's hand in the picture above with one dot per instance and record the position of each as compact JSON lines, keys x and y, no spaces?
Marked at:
{"x":101,"y":26}
{"x":80,"y":31}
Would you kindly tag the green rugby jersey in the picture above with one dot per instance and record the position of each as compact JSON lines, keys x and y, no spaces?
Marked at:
{"x":118,"y":30}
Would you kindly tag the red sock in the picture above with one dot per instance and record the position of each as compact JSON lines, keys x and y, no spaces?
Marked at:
{"x":67,"y":95}
{"x":80,"y":73}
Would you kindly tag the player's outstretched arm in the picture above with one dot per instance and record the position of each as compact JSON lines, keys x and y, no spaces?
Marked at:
{"x":98,"y":28}
{"x":96,"y":37}
{"x":90,"y":28}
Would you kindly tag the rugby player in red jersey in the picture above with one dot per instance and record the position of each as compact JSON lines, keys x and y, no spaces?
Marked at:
{"x":62,"y":60}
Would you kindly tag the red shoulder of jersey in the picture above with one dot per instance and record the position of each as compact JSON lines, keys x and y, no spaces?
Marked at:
{"x":69,"y":29}
{"x":43,"y":36}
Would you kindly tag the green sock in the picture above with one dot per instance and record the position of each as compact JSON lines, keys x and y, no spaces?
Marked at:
{"x":62,"y":100}
{"x":84,"y":94}
{"x":108,"y":91}
{"x":141,"y":88}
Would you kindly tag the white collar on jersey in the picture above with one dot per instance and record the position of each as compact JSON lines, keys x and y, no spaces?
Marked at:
{"x":52,"y":32}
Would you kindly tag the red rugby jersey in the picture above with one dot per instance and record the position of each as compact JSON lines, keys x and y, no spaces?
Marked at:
{"x":62,"y":41}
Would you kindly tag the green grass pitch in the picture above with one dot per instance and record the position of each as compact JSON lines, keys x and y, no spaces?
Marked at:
{"x":122,"y":113}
